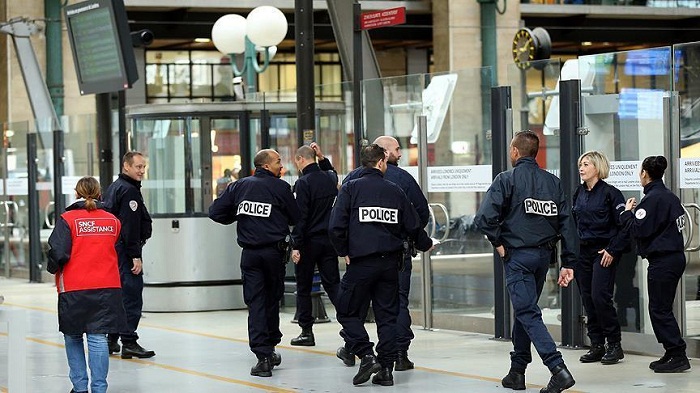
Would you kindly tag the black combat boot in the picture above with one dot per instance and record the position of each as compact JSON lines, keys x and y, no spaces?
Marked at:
{"x":384,"y":377}
{"x":560,"y":381}
{"x":262,"y":368}
{"x":674,"y":364}
{"x":305,"y":339}
{"x":346,"y":356}
{"x":403,"y":363}
{"x":594,"y":354}
{"x":133,"y":349}
{"x":275,"y":359}
{"x":113,"y":347}
{"x":663,"y":359}
{"x":613,"y":354}
{"x":368,"y":366}
{"x":514,"y":380}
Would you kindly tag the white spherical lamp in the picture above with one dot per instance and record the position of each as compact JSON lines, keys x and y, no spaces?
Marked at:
{"x":266,"y":26}
{"x":228,"y":34}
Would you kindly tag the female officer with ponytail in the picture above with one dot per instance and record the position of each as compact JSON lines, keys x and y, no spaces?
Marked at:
{"x":657,"y":224}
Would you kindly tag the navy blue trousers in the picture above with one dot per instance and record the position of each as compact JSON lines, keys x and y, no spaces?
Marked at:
{"x":132,"y":297}
{"x":316,"y":251}
{"x":376,"y":279}
{"x":404,"y":334}
{"x":664,"y":273}
{"x":596,"y":285}
{"x":263,"y":286}
{"x":526,"y":272}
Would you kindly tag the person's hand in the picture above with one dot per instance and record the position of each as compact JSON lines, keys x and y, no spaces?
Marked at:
{"x":317,"y":150}
{"x":501,"y":251}
{"x":566,"y":275}
{"x":138,"y":266}
{"x":607,"y":258}
{"x":347,"y":260}
{"x":631,"y":203}
{"x":296,"y":256}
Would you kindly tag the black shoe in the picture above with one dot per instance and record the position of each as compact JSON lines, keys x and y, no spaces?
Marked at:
{"x":674,"y":364}
{"x":346,"y":356}
{"x":114,"y":347}
{"x":560,"y":381}
{"x":275,"y":359}
{"x":305,"y":339}
{"x":384,"y":377}
{"x":368,"y":366}
{"x":594,"y":354}
{"x":655,"y":363}
{"x":514,"y":380}
{"x":403,"y":363}
{"x":613,"y":354}
{"x":262,"y":369}
{"x":133,"y":349}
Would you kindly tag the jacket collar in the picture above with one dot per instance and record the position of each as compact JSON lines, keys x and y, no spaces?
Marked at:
{"x":654,"y":184}
{"x":313,"y":167}
{"x":526,"y":161}
{"x":128,"y":179}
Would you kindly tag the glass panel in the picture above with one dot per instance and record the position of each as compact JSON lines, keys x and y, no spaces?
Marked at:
{"x":624,"y":101}
{"x":225,"y":152}
{"x":179,"y":78}
{"x":162,"y":141}
{"x":686,"y":59}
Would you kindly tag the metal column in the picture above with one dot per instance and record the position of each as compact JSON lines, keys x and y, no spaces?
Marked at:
{"x":570,"y":120}
{"x":501,"y":133}
{"x":304,"y":38}
{"x":427,"y":267}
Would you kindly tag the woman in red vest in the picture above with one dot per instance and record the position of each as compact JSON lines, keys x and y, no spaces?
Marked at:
{"x":84,"y":260}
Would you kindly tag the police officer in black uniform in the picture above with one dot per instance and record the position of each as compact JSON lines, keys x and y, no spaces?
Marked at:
{"x":596,"y":209}
{"x":123,"y":199}
{"x":408,"y":184}
{"x":524,"y":214}
{"x":264,"y":207}
{"x":371,"y":220}
{"x":657,"y":224}
{"x":315,"y":192}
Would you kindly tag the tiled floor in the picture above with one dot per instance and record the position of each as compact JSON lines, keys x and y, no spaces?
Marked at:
{"x":208,"y":352}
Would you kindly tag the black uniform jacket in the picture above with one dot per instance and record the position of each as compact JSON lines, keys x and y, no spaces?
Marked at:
{"x":597,"y":216}
{"x":263,"y":205}
{"x":526,"y":207}
{"x":315,"y":192}
{"x":657,"y":222}
{"x":371,"y":216}
{"x":123,"y":199}
{"x":407,"y":183}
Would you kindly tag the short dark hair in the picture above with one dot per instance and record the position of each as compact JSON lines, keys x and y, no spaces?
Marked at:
{"x":306,"y":152}
{"x":655,"y":166}
{"x":527,"y":143}
{"x":371,"y":155}
{"x":129,"y":157}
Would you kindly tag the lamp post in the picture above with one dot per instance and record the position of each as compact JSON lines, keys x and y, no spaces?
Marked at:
{"x":265,"y":27}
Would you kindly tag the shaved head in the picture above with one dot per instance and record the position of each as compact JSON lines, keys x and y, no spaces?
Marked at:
{"x":391,"y":145}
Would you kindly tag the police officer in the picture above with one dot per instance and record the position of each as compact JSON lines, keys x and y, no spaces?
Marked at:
{"x":408,"y":184}
{"x":123,"y":199}
{"x":264,"y":207}
{"x":315,"y":193}
{"x":523,"y":215}
{"x":368,"y":226}
{"x":657,"y":224}
{"x":596,"y":209}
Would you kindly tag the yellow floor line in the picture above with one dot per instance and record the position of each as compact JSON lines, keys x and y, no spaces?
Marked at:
{"x":291,"y":348}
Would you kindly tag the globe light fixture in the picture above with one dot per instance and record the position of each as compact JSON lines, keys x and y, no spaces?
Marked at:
{"x":263,"y":29}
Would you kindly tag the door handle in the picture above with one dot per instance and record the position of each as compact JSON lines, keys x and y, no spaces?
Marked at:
{"x":447,"y":220}
{"x":691,"y":231}
{"x":47,"y":221}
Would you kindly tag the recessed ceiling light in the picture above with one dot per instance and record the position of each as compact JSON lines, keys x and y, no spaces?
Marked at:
{"x":586,"y":43}
{"x":202,"y":40}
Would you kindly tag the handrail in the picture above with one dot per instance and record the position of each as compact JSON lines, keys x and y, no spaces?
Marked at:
{"x":47,"y":221}
{"x":447,"y":220}
{"x":690,"y":225}
{"x":433,"y":226}
{"x":7,"y":204}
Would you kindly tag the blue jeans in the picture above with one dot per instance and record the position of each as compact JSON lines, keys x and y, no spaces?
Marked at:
{"x":526,"y":271}
{"x":98,"y":357}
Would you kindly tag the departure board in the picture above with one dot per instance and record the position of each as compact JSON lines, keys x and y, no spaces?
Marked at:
{"x":101,"y":43}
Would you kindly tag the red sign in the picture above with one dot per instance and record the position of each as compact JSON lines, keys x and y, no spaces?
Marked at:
{"x":389,"y":17}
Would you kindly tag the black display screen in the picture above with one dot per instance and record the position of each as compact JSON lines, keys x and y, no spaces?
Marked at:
{"x":101,"y":43}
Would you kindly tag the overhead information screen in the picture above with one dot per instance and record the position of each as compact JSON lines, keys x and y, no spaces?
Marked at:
{"x":102,"y":52}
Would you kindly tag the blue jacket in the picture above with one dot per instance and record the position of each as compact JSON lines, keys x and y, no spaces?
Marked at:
{"x":597,"y":216}
{"x":372,"y":215}
{"x":657,"y":222}
{"x":123,"y":199}
{"x":407,"y":183}
{"x":526,"y":207}
{"x":263,"y":205}
{"x":315,"y":192}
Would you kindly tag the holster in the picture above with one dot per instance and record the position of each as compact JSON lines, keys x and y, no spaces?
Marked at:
{"x":285,"y":245}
